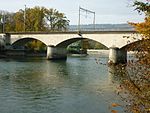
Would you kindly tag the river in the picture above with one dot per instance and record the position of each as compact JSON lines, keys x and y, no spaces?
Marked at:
{"x":77,"y":85}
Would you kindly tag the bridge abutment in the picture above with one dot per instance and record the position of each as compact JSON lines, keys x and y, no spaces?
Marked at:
{"x":117,"y":55}
{"x":54,"y":53}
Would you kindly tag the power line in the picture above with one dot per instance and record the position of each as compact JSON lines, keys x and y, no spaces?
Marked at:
{"x":87,"y":12}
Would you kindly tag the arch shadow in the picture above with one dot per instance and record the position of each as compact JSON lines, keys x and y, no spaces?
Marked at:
{"x":23,"y":41}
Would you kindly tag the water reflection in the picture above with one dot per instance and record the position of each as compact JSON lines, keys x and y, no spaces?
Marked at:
{"x":117,"y":73}
{"x":76,"y":85}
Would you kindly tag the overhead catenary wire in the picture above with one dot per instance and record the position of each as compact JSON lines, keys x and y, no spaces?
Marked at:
{"x":86,"y":16}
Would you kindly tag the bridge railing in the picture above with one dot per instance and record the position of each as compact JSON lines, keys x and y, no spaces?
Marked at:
{"x":101,"y":29}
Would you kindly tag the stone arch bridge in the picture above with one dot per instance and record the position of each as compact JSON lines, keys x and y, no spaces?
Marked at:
{"x":57,"y":42}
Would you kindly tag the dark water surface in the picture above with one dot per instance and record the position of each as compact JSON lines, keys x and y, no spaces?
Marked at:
{"x":77,"y":85}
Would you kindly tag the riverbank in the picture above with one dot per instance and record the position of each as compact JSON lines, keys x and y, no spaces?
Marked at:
{"x":16,"y":53}
{"x":104,"y":52}
{"x":93,"y":51}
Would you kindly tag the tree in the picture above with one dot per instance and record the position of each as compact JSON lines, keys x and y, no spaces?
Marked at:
{"x":35,"y":46}
{"x":142,"y":7}
{"x":19,"y":21}
{"x":35,"y":19}
{"x":9,"y":22}
{"x":56,"y":21}
{"x":62,"y":23}
{"x":137,"y":80}
{"x":144,"y":27}
{"x":6,"y":21}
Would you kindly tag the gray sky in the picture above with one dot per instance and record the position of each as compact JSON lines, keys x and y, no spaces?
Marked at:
{"x":107,"y":11}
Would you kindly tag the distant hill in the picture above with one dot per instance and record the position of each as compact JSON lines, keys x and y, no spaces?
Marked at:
{"x":102,"y":27}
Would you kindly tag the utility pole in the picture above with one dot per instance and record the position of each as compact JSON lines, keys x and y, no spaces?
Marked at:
{"x":24,"y":18}
{"x":94,"y":20}
{"x":79,"y":20}
{"x":87,"y":11}
{"x":83,"y":50}
{"x":3,"y":22}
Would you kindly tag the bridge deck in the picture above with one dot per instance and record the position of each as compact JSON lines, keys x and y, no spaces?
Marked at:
{"x":73,"y":32}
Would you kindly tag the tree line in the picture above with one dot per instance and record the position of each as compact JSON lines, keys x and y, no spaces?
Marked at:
{"x":33,"y":19}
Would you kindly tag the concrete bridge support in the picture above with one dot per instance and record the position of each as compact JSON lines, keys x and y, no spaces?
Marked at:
{"x":117,"y":55}
{"x":7,"y":40}
{"x":56,"y":53}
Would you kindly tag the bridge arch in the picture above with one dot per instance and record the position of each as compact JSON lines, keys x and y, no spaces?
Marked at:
{"x":23,"y":41}
{"x":136,"y":45}
{"x":67,"y":42}
{"x":59,"y":51}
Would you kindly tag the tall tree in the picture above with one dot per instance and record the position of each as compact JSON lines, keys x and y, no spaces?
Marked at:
{"x":62,"y":23}
{"x":19,"y":20}
{"x":35,"y":19}
{"x":56,"y":21}
{"x":9,"y":22}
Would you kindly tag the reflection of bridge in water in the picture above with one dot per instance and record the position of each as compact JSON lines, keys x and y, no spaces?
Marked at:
{"x":57,"y":42}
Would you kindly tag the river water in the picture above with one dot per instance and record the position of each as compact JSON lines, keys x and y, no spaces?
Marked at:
{"x":77,"y":85}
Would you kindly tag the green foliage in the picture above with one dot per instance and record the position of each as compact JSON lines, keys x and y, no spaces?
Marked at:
{"x":85,"y":44}
{"x":57,"y":21}
{"x":35,"y":45}
{"x":100,"y":46}
{"x":142,"y":7}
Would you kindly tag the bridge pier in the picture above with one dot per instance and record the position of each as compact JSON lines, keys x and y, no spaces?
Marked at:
{"x":54,"y":53}
{"x":117,"y":55}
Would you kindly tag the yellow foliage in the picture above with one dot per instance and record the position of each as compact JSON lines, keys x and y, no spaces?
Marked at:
{"x":114,"y":111}
{"x":138,"y":74}
{"x":143,"y":28}
{"x":115,"y":105}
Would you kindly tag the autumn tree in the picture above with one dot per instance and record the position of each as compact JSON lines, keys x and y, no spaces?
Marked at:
{"x":19,"y":21}
{"x":136,"y":82}
{"x":35,"y":19}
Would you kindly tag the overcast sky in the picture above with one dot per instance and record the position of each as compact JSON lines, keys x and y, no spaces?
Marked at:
{"x":107,"y":11}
